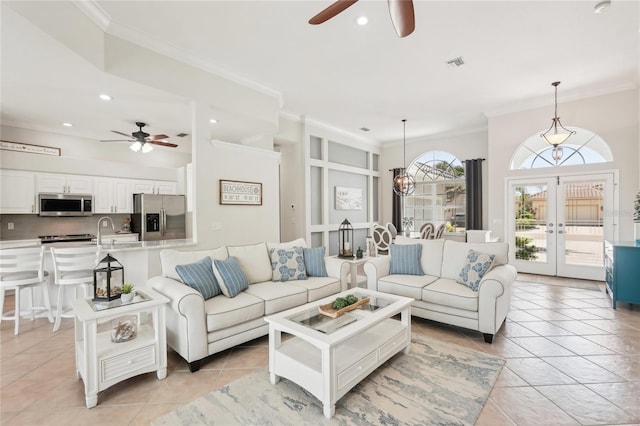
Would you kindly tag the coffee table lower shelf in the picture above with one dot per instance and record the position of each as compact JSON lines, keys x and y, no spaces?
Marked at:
{"x":345,"y":363}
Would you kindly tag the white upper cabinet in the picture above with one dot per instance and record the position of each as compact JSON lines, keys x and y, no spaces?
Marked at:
{"x":155,"y":187}
{"x":56,"y":183}
{"x":17,"y":192}
{"x":112,"y":195}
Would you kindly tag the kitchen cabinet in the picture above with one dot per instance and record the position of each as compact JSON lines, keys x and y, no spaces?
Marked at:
{"x":17,"y":192}
{"x":57,"y":183}
{"x":163,"y":187}
{"x":622,"y":268}
{"x":112,"y":195}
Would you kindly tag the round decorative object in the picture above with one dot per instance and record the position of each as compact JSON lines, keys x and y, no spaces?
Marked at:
{"x":359,"y":253}
{"x":126,"y":297}
{"x":404,"y":184}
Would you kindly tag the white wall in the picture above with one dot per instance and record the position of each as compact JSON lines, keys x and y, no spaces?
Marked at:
{"x":614,"y":117}
{"x":465,"y":146}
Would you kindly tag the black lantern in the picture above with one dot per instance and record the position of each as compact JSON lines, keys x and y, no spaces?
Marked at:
{"x":108,"y":278}
{"x":345,"y":239}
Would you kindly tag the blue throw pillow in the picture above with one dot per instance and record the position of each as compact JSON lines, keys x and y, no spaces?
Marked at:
{"x":230,"y":276}
{"x":199,"y":276}
{"x":475,"y":267}
{"x":314,"y":262}
{"x":287,"y":264}
{"x":405,"y":259}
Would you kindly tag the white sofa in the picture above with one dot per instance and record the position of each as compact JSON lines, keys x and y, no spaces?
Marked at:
{"x":197,"y":328}
{"x":437,"y":296}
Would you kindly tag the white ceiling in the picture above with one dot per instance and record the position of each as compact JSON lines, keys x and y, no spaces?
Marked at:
{"x":336,"y":73}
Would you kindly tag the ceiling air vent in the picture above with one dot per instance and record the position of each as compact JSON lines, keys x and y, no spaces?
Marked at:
{"x":182,"y":135}
{"x":456,"y":62}
{"x":364,"y":129}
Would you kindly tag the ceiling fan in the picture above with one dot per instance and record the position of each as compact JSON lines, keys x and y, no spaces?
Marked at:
{"x":142,"y":140}
{"x":401,"y":11}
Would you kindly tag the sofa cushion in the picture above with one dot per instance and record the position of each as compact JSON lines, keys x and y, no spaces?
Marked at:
{"x":169,"y":259}
{"x":476,"y":266}
{"x":405,"y":285}
{"x":230,"y":276}
{"x":319,"y":287}
{"x":314,"y":262}
{"x":455,"y":255}
{"x":288,"y":264}
{"x":199,"y":275}
{"x":254,"y":261}
{"x":278,"y":296}
{"x":448,"y":292}
{"x":431,"y":257}
{"x":222,"y":312}
{"x":405,"y":259}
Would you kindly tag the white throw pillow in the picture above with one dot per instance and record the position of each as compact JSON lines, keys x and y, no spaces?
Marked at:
{"x":169,"y":259}
{"x":300,"y":242}
{"x":254,"y":261}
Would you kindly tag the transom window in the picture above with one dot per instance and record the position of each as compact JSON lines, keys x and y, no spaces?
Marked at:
{"x":439,"y":196}
{"x":584,"y":147}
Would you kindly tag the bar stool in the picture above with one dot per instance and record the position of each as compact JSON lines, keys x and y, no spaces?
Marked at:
{"x":23,"y":269}
{"x":73,"y":267}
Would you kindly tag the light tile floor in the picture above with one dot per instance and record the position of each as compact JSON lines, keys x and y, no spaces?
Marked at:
{"x":570,"y":359}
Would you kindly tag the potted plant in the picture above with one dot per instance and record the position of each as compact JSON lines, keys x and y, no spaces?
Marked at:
{"x":127,"y":293}
{"x":407,"y":225}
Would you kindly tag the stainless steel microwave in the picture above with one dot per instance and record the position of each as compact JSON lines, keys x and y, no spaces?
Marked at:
{"x":65,"y":204}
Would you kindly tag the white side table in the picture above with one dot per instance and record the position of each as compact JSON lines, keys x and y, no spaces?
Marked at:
{"x":102,"y":363}
{"x":354,"y":263}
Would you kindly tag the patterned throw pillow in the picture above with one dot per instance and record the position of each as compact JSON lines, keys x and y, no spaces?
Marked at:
{"x":230,"y":276}
{"x":199,"y":275}
{"x":314,"y":262}
{"x":475,"y":267}
{"x":288,"y":264}
{"x":405,"y":259}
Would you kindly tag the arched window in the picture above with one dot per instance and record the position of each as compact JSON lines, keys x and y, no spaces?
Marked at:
{"x":440,"y":191}
{"x":584,"y":147}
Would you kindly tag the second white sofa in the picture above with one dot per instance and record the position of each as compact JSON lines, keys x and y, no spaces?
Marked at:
{"x":197,"y":328}
{"x":436,"y":291}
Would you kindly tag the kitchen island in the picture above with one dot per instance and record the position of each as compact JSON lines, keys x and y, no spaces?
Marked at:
{"x":140,"y":259}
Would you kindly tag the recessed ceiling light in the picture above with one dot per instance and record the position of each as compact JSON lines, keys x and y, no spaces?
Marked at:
{"x":105,"y":97}
{"x":362,"y":20}
{"x":67,"y":124}
{"x":213,"y":121}
{"x":603,"y":6}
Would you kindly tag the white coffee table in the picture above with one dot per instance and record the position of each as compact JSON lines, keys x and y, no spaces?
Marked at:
{"x":328,"y":357}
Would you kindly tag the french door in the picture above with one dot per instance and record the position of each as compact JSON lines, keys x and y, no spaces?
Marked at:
{"x":557,"y":224}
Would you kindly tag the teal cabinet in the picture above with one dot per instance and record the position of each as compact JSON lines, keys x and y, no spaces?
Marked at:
{"x":622,"y":271}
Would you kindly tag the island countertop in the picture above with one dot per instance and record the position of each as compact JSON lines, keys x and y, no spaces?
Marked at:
{"x":111,"y":247}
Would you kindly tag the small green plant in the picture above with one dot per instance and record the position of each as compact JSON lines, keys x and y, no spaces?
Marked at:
{"x":525,"y":250}
{"x":343,"y":302}
{"x":407,"y":222}
{"x":127,"y":288}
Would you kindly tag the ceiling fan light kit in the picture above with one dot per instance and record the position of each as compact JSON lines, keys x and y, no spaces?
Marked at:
{"x":142,"y":141}
{"x":401,"y":11}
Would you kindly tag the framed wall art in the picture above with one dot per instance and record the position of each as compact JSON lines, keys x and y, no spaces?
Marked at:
{"x":29,"y":148}
{"x":233,"y":192}
{"x":348,"y":198}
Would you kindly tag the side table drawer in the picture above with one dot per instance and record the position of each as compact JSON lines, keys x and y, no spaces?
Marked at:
{"x":352,"y":373}
{"x":393,"y":344}
{"x":119,"y":365}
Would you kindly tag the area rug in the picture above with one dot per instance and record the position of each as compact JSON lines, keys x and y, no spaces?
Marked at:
{"x":437,"y":383}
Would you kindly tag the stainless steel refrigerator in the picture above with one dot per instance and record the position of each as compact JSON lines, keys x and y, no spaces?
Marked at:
{"x":158,"y":217}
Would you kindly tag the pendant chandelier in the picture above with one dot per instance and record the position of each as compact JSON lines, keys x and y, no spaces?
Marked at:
{"x":557,"y":133}
{"x":404,"y":184}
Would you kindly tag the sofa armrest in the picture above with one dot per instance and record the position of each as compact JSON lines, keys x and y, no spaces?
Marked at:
{"x":186,"y":318}
{"x":494,"y":298}
{"x":337,"y":268}
{"x":375,"y":268}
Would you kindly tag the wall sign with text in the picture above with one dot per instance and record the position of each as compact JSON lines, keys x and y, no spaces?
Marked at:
{"x":242,"y":193}
{"x":29,"y":148}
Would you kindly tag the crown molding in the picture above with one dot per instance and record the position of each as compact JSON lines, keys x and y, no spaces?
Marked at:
{"x":372,"y":143}
{"x":440,"y":136}
{"x":94,"y":12}
{"x":245,"y":149}
{"x":571,"y":97}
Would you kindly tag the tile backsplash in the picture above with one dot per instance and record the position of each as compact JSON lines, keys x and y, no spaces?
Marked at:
{"x":29,"y":226}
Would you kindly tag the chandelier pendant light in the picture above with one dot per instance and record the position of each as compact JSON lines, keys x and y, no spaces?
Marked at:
{"x":404,"y":184}
{"x":557,"y":133}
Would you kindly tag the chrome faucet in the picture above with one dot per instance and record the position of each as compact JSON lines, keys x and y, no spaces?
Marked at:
{"x":113,"y":227}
